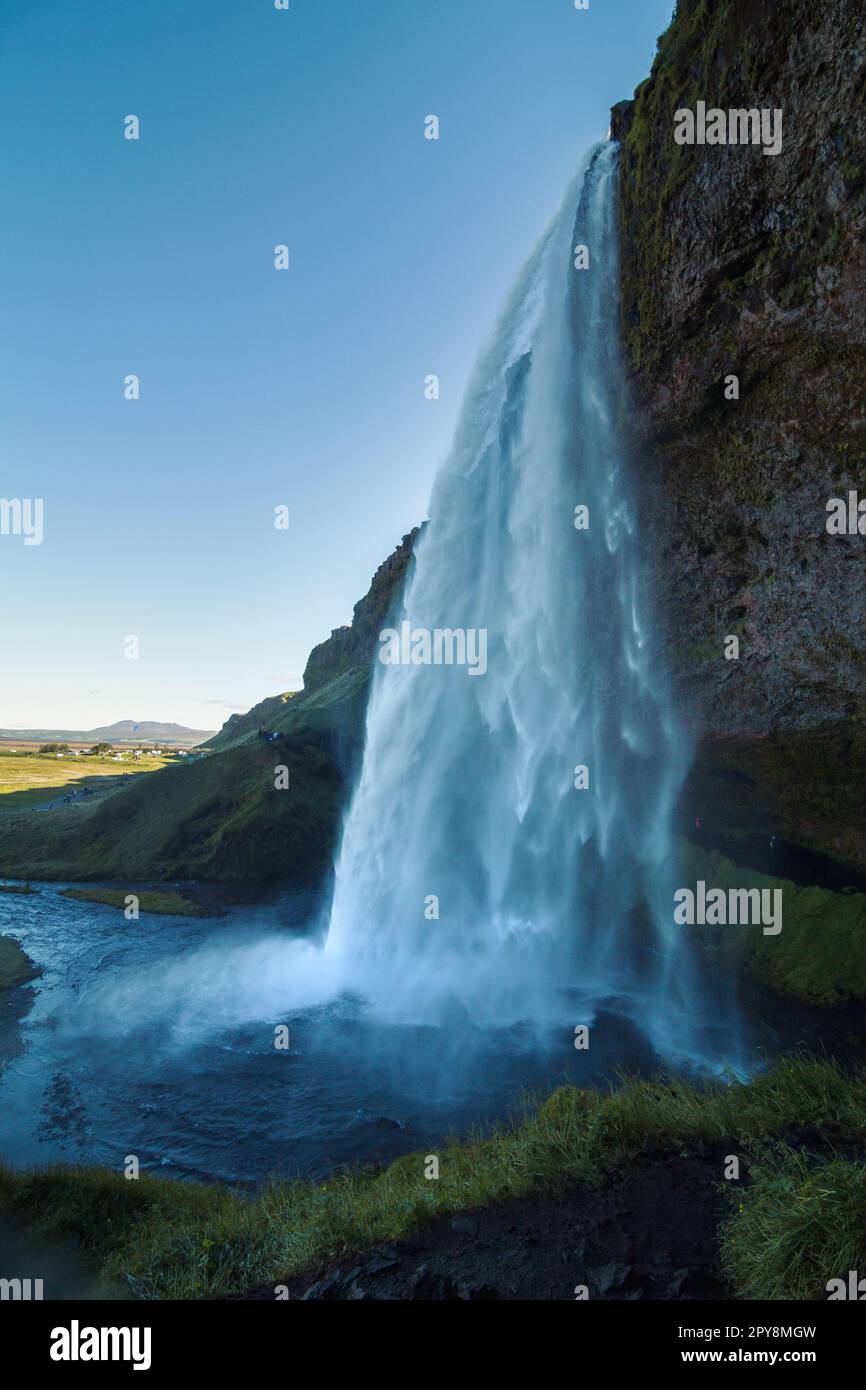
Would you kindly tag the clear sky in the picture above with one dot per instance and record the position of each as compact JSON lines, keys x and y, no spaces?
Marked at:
{"x":259,"y":388}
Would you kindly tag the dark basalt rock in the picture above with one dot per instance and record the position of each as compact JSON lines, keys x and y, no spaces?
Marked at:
{"x":737,"y":264}
{"x":733,"y":263}
{"x":621,"y":117}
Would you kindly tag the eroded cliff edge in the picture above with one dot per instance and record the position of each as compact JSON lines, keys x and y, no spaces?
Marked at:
{"x":738,"y":263}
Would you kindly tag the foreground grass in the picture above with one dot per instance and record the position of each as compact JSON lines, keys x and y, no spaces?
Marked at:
{"x":150,"y":900}
{"x":799,"y":1225}
{"x":166,"y":1239}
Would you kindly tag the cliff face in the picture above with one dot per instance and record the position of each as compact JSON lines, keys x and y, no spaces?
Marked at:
{"x":353,"y":646}
{"x":739,"y":263}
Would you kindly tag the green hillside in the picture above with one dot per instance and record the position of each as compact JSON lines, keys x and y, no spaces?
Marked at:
{"x":219,"y":817}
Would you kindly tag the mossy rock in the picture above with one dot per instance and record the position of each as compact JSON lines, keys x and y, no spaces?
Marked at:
{"x":16,"y":967}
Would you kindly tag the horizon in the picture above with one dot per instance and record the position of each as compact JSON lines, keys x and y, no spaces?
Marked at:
{"x":7,"y":732}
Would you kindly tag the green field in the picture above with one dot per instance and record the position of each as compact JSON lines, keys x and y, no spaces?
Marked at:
{"x":34,"y":779}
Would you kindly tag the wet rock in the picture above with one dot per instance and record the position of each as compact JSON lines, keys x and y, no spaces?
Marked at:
{"x":695,"y":1283}
{"x":428,"y":1285}
{"x":616,"y":1280}
{"x":328,"y":1288}
{"x":477,"y":1293}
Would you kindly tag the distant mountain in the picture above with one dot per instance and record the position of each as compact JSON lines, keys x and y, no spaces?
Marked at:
{"x":124,"y":731}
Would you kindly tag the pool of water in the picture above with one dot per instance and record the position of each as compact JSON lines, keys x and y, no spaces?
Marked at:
{"x":156,"y":1039}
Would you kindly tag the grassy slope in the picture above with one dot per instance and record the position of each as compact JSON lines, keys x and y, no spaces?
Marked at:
{"x":217,"y":818}
{"x":341,"y":701}
{"x":169,"y":1239}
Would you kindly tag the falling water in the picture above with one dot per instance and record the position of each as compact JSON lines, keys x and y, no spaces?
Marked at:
{"x":467,"y":800}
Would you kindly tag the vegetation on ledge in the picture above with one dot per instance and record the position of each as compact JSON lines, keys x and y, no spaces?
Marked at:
{"x":819,"y":956}
{"x":150,"y":900}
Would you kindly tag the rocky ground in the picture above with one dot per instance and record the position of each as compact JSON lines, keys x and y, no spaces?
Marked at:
{"x":648,"y":1234}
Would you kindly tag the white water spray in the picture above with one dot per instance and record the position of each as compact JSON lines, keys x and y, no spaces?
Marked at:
{"x":467,"y":791}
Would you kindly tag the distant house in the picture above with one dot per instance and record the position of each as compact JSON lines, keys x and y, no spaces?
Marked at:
{"x":137,"y":754}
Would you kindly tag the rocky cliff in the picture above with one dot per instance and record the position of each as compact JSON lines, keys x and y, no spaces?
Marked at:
{"x":739,"y":264}
{"x":353,"y":646}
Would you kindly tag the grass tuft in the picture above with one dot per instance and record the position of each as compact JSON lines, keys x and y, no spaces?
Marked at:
{"x":798,"y":1225}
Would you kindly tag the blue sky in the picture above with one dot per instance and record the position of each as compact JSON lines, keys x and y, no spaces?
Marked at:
{"x":259,"y":388}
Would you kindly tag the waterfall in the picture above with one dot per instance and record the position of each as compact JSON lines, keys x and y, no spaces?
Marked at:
{"x":475,"y":878}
